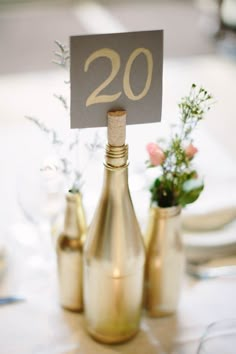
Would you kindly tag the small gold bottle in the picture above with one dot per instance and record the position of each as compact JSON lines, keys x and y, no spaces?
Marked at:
{"x":70,"y":254}
{"x":114,"y":253}
{"x":164,"y":269}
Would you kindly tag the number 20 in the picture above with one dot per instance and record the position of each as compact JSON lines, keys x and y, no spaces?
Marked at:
{"x":114,"y":57}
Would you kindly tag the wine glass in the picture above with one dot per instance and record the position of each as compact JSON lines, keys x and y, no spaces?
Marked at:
{"x":40,"y":200}
{"x":219,"y":338}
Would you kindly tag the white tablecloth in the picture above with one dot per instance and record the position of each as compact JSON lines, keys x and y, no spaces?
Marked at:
{"x":39,"y":325}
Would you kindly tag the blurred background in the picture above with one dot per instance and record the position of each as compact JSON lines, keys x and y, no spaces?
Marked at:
{"x":192,"y":27}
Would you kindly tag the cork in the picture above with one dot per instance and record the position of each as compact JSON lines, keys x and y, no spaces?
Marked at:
{"x":116,"y":128}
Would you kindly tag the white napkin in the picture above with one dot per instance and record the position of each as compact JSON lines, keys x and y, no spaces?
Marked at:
{"x":217,"y":204}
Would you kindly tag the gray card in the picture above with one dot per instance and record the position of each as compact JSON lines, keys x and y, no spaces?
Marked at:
{"x":116,"y":71}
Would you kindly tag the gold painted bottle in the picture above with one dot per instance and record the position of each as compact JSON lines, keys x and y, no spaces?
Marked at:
{"x":114,"y":256}
{"x":164,"y":261}
{"x":70,"y":254}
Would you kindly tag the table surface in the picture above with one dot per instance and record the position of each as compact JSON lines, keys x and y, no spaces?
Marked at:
{"x":39,"y":325}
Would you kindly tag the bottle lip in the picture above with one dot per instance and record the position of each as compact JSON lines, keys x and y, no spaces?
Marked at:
{"x":166,"y":212}
{"x":72,"y":197}
{"x":116,"y":151}
{"x":72,"y":242}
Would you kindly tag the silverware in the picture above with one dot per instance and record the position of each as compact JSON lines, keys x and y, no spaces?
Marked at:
{"x":206,"y":271}
{"x":10,"y":300}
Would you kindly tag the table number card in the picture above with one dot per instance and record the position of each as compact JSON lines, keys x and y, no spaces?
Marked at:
{"x":120,"y":71}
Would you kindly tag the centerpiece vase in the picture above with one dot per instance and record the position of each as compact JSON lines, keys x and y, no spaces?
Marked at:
{"x":165,"y":261}
{"x":70,"y":246}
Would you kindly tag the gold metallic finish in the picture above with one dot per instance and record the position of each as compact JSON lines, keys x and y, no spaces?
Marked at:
{"x":164,"y":261}
{"x":114,"y":258}
{"x":70,"y":254}
{"x":116,"y":157}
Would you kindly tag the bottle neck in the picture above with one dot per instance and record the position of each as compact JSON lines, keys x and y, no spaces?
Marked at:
{"x":116,"y":157}
{"x":116,"y":168}
{"x":72,"y":227}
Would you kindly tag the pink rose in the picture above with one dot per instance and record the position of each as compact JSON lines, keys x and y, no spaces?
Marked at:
{"x":156,"y":154}
{"x":190,"y":150}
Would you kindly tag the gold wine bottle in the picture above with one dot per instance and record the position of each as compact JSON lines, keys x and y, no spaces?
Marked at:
{"x":70,"y":254}
{"x":114,"y":254}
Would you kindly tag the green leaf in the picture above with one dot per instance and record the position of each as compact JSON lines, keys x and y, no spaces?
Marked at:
{"x":191,"y":190}
{"x":192,"y":184}
{"x":154,"y":189}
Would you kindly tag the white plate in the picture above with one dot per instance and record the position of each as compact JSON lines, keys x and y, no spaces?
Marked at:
{"x":210,"y":244}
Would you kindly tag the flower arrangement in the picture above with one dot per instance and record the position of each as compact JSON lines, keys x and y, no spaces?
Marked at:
{"x":178,"y":182}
